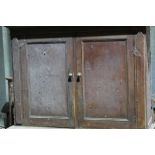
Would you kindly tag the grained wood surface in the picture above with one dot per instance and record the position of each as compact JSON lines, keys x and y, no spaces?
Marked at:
{"x":105,"y":79}
{"x":17,"y":81}
{"x":110,"y":93}
{"x":47,"y":72}
{"x":46,"y":94}
{"x":105,"y":95}
{"x":140,"y":79}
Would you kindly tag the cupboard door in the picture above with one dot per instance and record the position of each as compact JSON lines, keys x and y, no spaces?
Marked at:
{"x":105,"y":93}
{"x":46,"y":94}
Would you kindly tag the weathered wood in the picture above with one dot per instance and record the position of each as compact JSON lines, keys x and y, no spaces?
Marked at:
{"x":17,"y":81}
{"x":46,"y":95}
{"x":140,"y":79}
{"x":110,"y":93}
{"x":101,"y":101}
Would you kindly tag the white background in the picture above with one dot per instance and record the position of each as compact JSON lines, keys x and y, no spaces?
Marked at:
{"x":77,"y":12}
{"x":77,"y":141}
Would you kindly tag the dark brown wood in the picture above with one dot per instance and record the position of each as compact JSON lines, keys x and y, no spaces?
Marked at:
{"x":110,"y":93}
{"x":46,"y":95}
{"x":107,"y":96}
{"x":141,"y":88}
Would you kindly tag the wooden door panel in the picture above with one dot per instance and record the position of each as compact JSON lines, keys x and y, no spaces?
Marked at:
{"x":46,"y":93}
{"x":105,"y":79}
{"x":105,"y":95}
{"x":47,"y":64}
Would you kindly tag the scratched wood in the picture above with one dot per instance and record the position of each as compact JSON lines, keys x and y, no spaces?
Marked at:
{"x":141,"y":70}
{"x":17,"y":81}
{"x":111,"y":92}
{"x":46,"y":95}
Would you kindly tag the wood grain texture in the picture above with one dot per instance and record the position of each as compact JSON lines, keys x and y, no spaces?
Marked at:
{"x":46,"y":95}
{"x":105,"y":96}
{"x":17,"y":81}
{"x":105,"y":79}
{"x":111,"y":93}
{"x":140,"y":79}
{"x":47,"y":79}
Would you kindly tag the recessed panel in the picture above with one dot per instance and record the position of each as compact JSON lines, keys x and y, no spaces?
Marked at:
{"x":105,"y":79}
{"x":47,"y":79}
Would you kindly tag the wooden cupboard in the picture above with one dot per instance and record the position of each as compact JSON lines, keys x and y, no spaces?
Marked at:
{"x":81,"y":82}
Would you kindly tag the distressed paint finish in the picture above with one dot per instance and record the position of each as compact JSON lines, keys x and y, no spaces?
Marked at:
{"x":5,"y":68}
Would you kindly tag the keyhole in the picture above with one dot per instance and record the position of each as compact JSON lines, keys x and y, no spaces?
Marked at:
{"x":44,"y":53}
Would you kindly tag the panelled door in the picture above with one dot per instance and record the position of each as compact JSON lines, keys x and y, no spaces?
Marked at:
{"x":106,"y":93}
{"x":84,"y":82}
{"x":43,"y":92}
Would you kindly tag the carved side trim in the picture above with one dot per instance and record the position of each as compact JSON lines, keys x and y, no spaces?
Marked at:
{"x":140,"y":78}
{"x":138,"y":41}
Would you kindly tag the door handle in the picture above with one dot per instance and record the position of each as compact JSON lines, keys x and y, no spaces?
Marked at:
{"x":70,"y":77}
{"x":79,"y":74}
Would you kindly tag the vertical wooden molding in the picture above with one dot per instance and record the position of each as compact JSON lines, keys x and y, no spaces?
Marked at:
{"x":140,"y":79}
{"x":17,"y":81}
{"x":24,"y":82}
